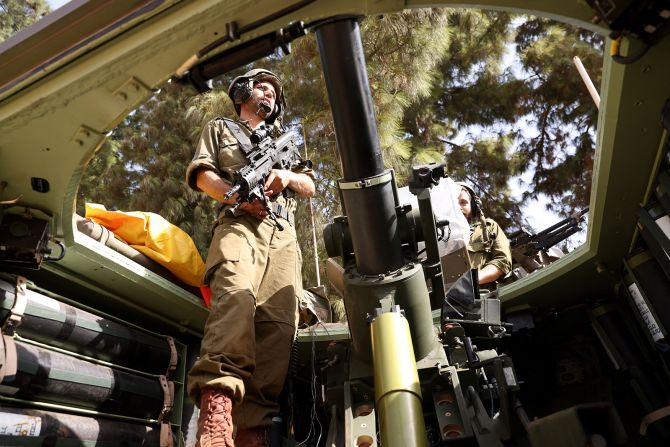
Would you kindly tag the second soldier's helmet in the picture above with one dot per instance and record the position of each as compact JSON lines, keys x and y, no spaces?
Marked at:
{"x":475,"y":203}
{"x":240,"y":90}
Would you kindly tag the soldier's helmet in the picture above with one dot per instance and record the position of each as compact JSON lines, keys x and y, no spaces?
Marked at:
{"x":475,"y":202}
{"x":240,"y":90}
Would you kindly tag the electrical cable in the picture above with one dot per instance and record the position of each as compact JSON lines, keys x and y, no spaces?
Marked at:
{"x":489,"y":386}
{"x":314,"y":389}
{"x":440,"y":237}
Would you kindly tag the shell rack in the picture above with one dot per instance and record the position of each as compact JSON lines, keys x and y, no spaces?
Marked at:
{"x":70,"y":376}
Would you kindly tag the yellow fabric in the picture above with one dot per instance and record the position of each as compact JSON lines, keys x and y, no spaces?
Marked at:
{"x":154,"y":237}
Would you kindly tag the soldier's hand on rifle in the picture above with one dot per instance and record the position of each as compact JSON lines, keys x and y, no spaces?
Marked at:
{"x":277,"y":181}
{"x":255,"y":208}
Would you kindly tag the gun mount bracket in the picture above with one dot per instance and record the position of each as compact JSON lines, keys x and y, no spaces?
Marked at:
{"x":377,"y":180}
{"x":426,"y":176}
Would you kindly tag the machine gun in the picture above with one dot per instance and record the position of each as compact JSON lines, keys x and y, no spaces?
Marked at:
{"x":266,"y":155}
{"x":531,"y":251}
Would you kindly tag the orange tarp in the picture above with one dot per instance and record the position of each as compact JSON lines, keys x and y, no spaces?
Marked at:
{"x":154,"y":237}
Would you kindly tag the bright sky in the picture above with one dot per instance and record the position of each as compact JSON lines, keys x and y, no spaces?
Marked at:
{"x":55,"y":4}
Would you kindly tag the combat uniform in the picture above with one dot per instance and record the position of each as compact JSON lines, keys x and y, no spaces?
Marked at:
{"x":492,"y":250}
{"x":254,"y":271}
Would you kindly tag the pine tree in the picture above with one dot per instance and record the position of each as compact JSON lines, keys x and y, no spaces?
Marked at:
{"x":18,"y":14}
{"x":562,"y":152}
{"x":434,"y":75}
{"x":499,"y":109}
{"x":144,"y":164}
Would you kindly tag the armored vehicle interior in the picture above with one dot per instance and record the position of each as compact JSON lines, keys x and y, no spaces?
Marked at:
{"x":96,"y":339}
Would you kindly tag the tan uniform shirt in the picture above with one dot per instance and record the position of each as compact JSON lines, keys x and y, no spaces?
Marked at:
{"x":219,"y":151}
{"x":493,"y":251}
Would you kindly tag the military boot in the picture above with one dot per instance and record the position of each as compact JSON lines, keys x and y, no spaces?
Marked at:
{"x":215,"y":422}
{"x":253,"y":437}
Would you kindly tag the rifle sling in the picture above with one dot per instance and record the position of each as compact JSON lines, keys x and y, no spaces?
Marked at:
{"x":241,"y":137}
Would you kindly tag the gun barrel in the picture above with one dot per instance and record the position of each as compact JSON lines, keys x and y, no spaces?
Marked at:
{"x":568,"y":221}
{"x":552,"y":235}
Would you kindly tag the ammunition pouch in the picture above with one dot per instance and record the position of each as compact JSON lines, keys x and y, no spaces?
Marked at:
{"x":283,"y":212}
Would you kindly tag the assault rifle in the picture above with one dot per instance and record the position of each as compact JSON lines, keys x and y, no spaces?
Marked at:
{"x":266,"y":155}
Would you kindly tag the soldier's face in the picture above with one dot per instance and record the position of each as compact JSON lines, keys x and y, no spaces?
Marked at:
{"x":464,"y":203}
{"x":265,"y":94}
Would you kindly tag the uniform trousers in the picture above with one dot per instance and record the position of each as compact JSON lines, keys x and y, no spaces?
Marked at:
{"x":247,"y":341}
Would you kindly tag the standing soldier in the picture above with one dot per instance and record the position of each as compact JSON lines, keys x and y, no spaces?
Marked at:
{"x":489,"y":248}
{"x":254,"y":271}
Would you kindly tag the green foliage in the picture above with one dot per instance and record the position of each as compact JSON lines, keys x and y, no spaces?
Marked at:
{"x":443,"y":90}
{"x":538,"y":109}
{"x":403,"y":52}
{"x":562,"y":152}
{"x":18,"y":14}
{"x":488,"y":164}
{"x":144,"y":164}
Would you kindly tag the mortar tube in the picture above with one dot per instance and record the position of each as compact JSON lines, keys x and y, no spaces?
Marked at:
{"x":368,"y":197}
{"x":397,"y":390}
